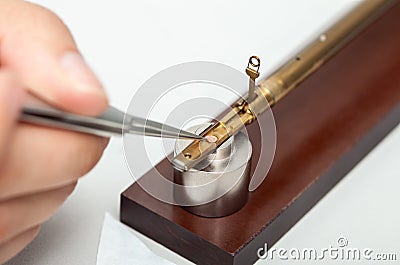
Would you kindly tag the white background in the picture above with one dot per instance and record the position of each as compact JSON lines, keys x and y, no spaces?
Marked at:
{"x":126,"y":42}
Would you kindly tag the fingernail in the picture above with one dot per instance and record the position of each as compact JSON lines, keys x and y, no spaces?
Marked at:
{"x":79,"y":71}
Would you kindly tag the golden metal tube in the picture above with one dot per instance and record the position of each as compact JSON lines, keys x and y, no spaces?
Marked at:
{"x":284,"y":80}
{"x":317,"y":52}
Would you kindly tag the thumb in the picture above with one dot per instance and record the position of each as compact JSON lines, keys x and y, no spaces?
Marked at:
{"x":11,"y":97}
{"x":37,"y":45}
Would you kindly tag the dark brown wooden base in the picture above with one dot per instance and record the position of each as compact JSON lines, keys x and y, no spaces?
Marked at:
{"x":324,"y":128}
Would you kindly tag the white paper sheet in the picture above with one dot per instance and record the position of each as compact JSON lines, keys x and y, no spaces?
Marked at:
{"x":119,"y":246}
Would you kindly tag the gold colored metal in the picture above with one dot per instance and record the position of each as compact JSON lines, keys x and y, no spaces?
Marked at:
{"x":284,"y":80}
{"x":317,"y":52}
{"x":253,"y":74}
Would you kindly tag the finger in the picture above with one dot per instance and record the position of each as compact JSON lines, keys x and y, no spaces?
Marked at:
{"x":11,"y":96}
{"x":36,"y":44}
{"x":17,"y":215}
{"x":43,"y":158}
{"x":16,"y":244}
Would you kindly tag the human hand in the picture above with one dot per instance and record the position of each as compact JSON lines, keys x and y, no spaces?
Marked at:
{"x":39,"y":166}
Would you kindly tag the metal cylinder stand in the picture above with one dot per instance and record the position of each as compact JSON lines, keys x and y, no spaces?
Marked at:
{"x":218,"y":186}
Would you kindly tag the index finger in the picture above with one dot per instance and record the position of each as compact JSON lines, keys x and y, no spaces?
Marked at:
{"x":37,"y":45}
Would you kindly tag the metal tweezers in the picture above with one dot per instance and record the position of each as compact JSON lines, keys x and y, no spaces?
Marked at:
{"x":112,"y":122}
